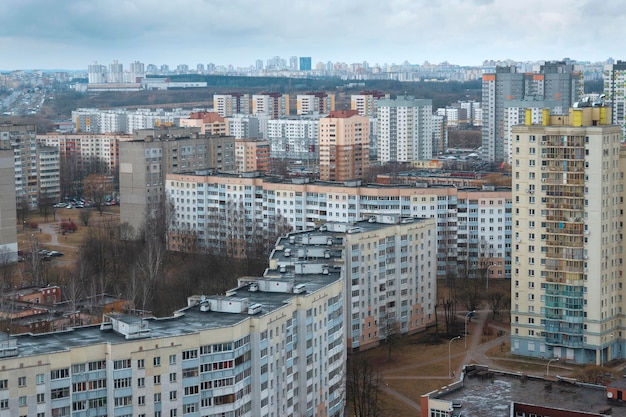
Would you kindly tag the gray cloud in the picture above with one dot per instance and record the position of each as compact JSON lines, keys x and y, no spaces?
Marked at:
{"x":72,"y":33}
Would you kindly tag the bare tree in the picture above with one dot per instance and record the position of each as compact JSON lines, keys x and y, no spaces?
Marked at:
{"x":390,"y":332}
{"x":149,"y":270}
{"x":84,"y":216}
{"x":75,"y":288}
{"x":97,"y":187}
{"x":22,"y":210}
{"x":363,"y":385}
{"x":7,"y":268}
{"x":498,"y":300}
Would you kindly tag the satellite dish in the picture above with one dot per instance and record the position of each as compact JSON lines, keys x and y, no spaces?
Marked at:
{"x":609,"y":394}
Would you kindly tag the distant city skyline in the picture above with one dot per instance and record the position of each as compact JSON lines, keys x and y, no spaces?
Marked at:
{"x":70,"y":34}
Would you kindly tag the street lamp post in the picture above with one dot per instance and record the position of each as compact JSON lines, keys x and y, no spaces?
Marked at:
{"x":449,"y":345}
{"x":548,"y":365}
{"x":468,"y":315}
{"x":602,"y":351}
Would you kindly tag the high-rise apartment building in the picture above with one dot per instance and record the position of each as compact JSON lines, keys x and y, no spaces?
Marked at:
{"x":315,"y":103}
{"x":97,"y":74}
{"x":137,"y":72}
{"x":293,"y":138}
{"x":87,"y":148}
{"x":305,"y":63}
{"x":273,"y":346}
{"x":272,"y":105}
{"x":8,"y":219}
{"x":343,"y":146}
{"x":567,"y":284}
{"x":36,"y":166}
{"x":365,"y":102}
{"x":556,"y":86}
{"x":116,"y":72}
{"x":145,"y":162}
{"x":615,"y":92}
{"x":390,"y":277}
{"x":209,"y":123}
{"x":252,"y":155}
{"x":227,"y":105}
{"x":405,"y":130}
{"x":242,"y":126}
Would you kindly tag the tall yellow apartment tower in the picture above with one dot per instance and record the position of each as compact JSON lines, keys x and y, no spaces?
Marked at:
{"x":567,"y":283}
{"x":344,"y":146}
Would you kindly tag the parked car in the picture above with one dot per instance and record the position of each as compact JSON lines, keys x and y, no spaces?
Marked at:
{"x":55,"y":253}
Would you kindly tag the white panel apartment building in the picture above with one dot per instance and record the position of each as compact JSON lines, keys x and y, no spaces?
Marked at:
{"x":242,"y":126}
{"x":615,"y":92}
{"x":227,"y":105}
{"x":8,"y":215}
{"x":275,"y":350}
{"x":567,"y":283}
{"x":125,"y":121}
{"x":404,"y":129}
{"x":463,"y":217}
{"x":293,"y":138}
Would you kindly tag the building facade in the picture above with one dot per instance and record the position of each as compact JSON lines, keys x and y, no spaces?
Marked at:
{"x":405,"y":131}
{"x":227,"y":105}
{"x":566,"y":289}
{"x":144,"y":164}
{"x":275,"y":351}
{"x":8,"y":214}
{"x":467,"y":220}
{"x":615,"y":92}
{"x":556,"y":85}
{"x":293,"y":138}
{"x":210,"y":123}
{"x":365,"y":102}
{"x":252,"y":155}
{"x":343,"y":146}
{"x":36,"y":166}
{"x":272,"y":105}
{"x":315,"y":103}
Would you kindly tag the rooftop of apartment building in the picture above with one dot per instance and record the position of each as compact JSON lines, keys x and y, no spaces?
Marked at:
{"x":255,"y":296}
{"x":277,"y":179}
{"x":490,"y":393}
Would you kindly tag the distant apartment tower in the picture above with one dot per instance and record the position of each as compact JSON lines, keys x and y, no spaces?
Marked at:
{"x":36,"y":166}
{"x":116,"y":72}
{"x":305,"y":63}
{"x":567,"y":283}
{"x":96,"y":73}
{"x":343,"y":146}
{"x":293,"y":138}
{"x":8,"y":215}
{"x":227,"y":105}
{"x":365,"y":102}
{"x":137,"y":72}
{"x":556,"y":86}
{"x":144,"y":163}
{"x":86,"y":120}
{"x":210,"y":123}
{"x":242,"y":126}
{"x":252,"y":155}
{"x":272,"y":105}
{"x":318,"y":102}
{"x":405,"y":129}
{"x":615,"y":92}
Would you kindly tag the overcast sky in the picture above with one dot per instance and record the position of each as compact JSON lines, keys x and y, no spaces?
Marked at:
{"x":70,"y":34}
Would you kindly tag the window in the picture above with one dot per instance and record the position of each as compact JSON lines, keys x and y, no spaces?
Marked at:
{"x":39,"y":379}
{"x":41,"y":398}
{"x":22,"y":401}
{"x":141,"y":363}
{"x":172,"y":395}
{"x":156,"y":361}
{"x":190,"y":354}
{"x":141,"y":400}
{"x":59,"y":373}
{"x":157,"y":397}
{"x":157,"y":379}
{"x":141,"y":382}
{"x":173,"y":359}
{"x":173,"y":377}
{"x":21,"y":381}
{"x":4,"y":404}
{"x":121,"y":364}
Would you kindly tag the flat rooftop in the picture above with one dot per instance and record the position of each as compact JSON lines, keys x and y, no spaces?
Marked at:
{"x":191,"y":319}
{"x":489,"y":393}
